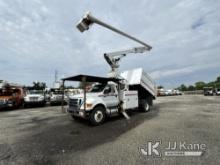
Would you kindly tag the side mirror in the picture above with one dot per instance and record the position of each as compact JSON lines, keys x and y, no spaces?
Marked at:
{"x":107,"y":90}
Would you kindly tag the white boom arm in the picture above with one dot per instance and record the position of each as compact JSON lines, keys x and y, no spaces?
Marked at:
{"x":88,"y":20}
{"x":113,"y":58}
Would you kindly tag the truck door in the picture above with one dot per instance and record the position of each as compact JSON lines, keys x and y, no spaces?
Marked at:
{"x":110,"y":96}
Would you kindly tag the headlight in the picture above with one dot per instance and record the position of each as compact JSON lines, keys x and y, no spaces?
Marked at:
{"x":9,"y":101}
{"x":4,"y":101}
{"x":41,"y":98}
{"x":89,"y":105}
{"x":52,"y":97}
{"x":26,"y":98}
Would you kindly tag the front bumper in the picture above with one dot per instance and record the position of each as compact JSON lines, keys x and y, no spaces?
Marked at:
{"x":6,"y":105}
{"x":57,"y":101}
{"x":74,"y":111}
{"x":34,"y":102}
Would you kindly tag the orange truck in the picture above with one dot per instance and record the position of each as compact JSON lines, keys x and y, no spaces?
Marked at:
{"x":11,"y":95}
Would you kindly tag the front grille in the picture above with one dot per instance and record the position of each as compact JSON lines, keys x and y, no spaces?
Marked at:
{"x":33,"y":98}
{"x":60,"y":98}
{"x":73,"y":102}
{"x":74,"y":105}
{"x":2,"y":101}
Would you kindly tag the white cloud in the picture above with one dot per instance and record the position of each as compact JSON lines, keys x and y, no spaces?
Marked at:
{"x":159,"y":74}
{"x":37,"y":37}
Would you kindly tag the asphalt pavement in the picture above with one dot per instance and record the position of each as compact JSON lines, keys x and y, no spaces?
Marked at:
{"x":46,"y":135}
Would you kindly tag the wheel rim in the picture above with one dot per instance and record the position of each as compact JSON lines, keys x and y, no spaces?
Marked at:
{"x":98,"y":116}
{"x":147,"y":107}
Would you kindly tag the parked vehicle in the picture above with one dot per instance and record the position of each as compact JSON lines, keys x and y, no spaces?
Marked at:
{"x":56,"y":97}
{"x":217,"y":91}
{"x":208,"y":91}
{"x":117,"y":93}
{"x":11,"y":95}
{"x":34,"y":96}
{"x":103,"y":98}
{"x":169,"y":92}
{"x":176,"y":92}
{"x":161,"y":92}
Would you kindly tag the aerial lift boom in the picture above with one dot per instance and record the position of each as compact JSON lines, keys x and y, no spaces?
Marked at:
{"x":114,"y":58}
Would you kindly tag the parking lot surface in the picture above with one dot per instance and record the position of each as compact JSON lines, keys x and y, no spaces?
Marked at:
{"x":48,"y":136}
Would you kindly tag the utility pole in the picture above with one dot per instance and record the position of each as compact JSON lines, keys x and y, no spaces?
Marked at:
{"x":56,"y":75}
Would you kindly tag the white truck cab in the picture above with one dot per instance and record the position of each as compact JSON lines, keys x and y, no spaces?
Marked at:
{"x":56,"y":96}
{"x":102,"y":99}
{"x":34,"y":97}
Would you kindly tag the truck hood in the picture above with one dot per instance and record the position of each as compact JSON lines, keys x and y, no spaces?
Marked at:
{"x":34,"y":95}
{"x":5,"y":97}
{"x":87,"y":95}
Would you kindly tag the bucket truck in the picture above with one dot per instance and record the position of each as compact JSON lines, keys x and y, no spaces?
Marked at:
{"x":117,"y":93}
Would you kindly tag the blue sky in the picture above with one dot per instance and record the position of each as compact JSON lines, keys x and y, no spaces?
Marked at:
{"x":39,"y":36}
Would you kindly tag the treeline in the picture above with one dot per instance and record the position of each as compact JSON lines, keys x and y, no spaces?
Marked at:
{"x":200,"y":85}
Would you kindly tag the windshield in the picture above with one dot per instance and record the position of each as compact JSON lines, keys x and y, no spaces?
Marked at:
{"x":98,"y":88}
{"x":35,"y":92}
{"x":6,"y":92}
{"x":57,"y":92}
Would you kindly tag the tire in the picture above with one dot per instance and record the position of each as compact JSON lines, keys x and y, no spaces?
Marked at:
{"x":43,"y":104}
{"x":74,"y":117}
{"x":21,"y":104}
{"x":97,"y":116}
{"x":145,"y":106}
{"x":24,"y":105}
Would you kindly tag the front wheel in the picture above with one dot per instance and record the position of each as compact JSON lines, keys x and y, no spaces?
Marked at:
{"x":97,"y":116}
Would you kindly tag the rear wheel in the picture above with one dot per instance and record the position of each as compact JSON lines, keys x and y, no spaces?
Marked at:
{"x":75,"y":117}
{"x":97,"y":116}
{"x":145,"y":105}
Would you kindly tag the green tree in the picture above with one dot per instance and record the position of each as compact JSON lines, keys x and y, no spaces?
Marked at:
{"x":183,"y":87}
{"x":160,"y":87}
{"x":211,"y":84}
{"x":218,"y":79}
{"x":39,"y":85}
{"x":199,"y":85}
{"x":191,"y":88}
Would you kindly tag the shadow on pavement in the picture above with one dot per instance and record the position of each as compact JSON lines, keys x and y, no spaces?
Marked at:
{"x":65,"y":135}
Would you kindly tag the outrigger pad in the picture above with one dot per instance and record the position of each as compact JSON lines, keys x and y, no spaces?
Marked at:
{"x":125,"y":115}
